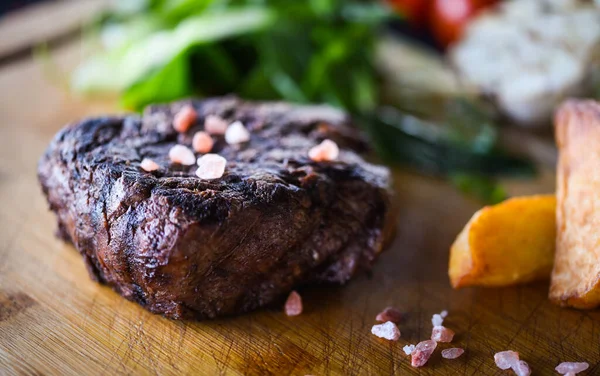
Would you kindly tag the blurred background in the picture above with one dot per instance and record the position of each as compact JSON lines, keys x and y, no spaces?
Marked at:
{"x":9,"y":5}
{"x":464,"y":90}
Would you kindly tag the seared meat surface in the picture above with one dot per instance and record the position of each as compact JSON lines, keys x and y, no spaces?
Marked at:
{"x":190,"y":248}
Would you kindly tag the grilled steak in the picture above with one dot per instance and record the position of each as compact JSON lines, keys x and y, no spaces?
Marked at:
{"x":190,"y":248}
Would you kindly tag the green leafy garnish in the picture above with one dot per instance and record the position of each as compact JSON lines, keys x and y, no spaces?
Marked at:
{"x":309,"y":51}
{"x":149,"y":62}
{"x":482,"y":187}
{"x":438,"y":147}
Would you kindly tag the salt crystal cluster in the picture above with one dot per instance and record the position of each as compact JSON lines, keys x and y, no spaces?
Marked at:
{"x":389,"y":314}
{"x":408,"y":349}
{"x":202,"y":142}
{"x":182,"y":155}
{"x":506,"y":359}
{"x":522,"y":368}
{"x":452,"y":353}
{"x":388,"y":330}
{"x":149,"y":165}
{"x":184,"y":119}
{"x":571,"y":368}
{"x":437,"y":319}
{"x":236,"y":133}
{"x":293,"y":305}
{"x":215,"y":125}
{"x":442,"y":334}
{"x":422,"y":353}
{"x":510,"y":359}
{"x":211,"y":166}
{"x":325,"y":151}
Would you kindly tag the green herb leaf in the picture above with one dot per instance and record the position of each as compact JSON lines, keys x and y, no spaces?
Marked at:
{"x":431,"y":147}
{"x":482,"y":187}
{"x":127,"y":68}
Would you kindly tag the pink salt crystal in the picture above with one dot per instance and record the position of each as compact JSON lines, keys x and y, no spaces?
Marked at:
{"x":408,"y":349}
{"x":182,"y":155}
{"x":388,"y":330}
{"x":293,"y":305}
{"x":149,"y":165}
{"x":571,"y":367}
{"x":325,"y":151}
{"x":389,"y":314}
{"x":442,"y":334}
{"x":211,"y":166}
{"x":184,"y":119}
{"x":422,"y":353}
{"x":452,"y":353}
{"x":215,"y":125}
{"x":521,"y":368}
{"x":202,"y":142}
{"x":506,"y":359}
{"x":236,"y":133}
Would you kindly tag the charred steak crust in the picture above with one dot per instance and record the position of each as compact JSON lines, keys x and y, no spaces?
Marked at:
{"x":189,"y":248}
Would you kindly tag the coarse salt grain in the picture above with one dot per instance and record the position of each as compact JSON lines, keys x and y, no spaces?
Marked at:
{"x":506,"y":359}
{"x":202,"y":142}
{"x":293,"y":304}
{"x":388,"y":330}
{"x":437,"y":320}
{"x":236,"y":133}
{"x":182,"y":155}
{"x":325,"y":151}
{"x":521,"y":368}
{"x":149,"y":165}
{"x":184,"y":118}
{"x":408,"y":349}
{"x":422,"y":353}
{"x":214,"y":124}
{"x":452,"y":353}
{"x":389,"y":314}
{"x":571,"y":367}
{"x":442,"y":334}
{"x":444,"y":314}
{"x":211,"y":166}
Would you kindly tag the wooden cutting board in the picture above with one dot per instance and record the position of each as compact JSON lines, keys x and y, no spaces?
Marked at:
{"x":55,"y":321}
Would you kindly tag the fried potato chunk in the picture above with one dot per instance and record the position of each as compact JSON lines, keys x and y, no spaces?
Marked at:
{"x":576,"y":274}
{"x":506,"y":244}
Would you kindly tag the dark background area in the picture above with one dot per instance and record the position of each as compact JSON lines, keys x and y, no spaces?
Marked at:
{"x":10,"y":5}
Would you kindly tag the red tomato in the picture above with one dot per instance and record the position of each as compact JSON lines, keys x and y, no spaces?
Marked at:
{"x":415,"y":11}
{"x":449,"y":17}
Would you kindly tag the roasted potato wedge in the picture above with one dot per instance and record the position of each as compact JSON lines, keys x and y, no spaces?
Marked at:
{"x":576,"y":275}
{"x":506,"y":244}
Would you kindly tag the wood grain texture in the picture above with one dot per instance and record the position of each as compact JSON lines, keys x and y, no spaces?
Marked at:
{"x":55,"y":321}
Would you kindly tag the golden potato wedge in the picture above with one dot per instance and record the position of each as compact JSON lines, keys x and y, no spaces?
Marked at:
{"x":505,"y":244}
{"x":576,"y":274}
